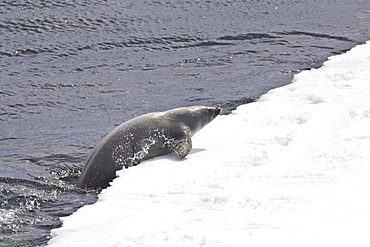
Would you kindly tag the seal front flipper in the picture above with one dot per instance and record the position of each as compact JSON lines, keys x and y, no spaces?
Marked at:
{"x":182,"y":142}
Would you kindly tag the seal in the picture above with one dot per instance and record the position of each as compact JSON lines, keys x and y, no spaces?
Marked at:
{"x":141,"y":138}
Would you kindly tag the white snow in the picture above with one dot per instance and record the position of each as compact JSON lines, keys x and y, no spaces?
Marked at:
{"x":292,"y":169}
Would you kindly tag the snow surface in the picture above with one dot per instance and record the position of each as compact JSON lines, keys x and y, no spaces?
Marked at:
{"x":292,"y":169}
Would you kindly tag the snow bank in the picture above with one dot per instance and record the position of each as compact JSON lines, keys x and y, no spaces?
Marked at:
{"x":292,"y":169}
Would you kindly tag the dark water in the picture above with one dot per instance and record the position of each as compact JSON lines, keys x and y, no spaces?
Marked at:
{"x":72,"y":70}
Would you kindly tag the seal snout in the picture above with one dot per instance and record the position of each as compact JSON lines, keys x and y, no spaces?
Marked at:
{"x":216,"y":111}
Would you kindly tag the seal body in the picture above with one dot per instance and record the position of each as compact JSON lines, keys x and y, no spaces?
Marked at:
{"x":141,"y":138}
